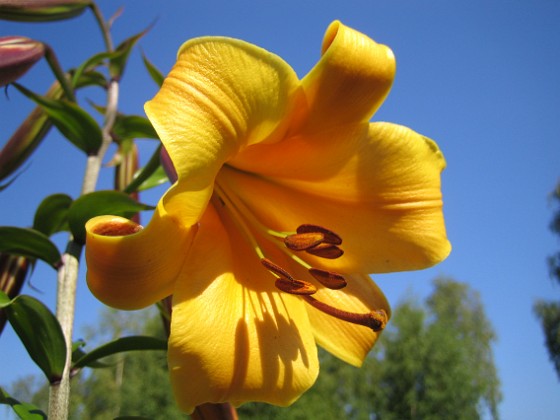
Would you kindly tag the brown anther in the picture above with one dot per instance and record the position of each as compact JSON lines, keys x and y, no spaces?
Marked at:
{"x":325,"y":250}
{"x":276,"y":269}
{"x":376,"y":320}
{"x":330,"y":236}
{"x":295,"y":287}
{"x":328,"y":279}
{"x":303,"y":241}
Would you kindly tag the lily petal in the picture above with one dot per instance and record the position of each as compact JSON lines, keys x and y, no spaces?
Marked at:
{"x":350,"y":81}
{"x":383,"y":197}
{"x":349,"y":342}
{"x":222,"y":95}
{"x":234,"y":337}
{"x":130,"y":267}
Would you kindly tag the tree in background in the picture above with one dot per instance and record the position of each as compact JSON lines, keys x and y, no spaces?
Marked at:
{"x":433,"y":362}
{"x":437,"y":359}
{"x":548,"y":312}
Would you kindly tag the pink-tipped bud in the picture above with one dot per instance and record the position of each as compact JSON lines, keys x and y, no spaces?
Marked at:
{"x":17,"y":55}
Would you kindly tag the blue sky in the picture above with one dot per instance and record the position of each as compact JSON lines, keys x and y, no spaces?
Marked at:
{"x":479,"y":77}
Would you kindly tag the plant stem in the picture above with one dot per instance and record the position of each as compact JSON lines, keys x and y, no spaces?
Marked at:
{"x":59,"y":398}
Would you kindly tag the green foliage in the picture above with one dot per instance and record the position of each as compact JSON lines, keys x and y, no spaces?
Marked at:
{"x":548,"y":313}
{"x":29,"y":243}
{"x":99,"y":203}
{"x":73,"y":122}
{"x":39,"y":331}
{"x":434,"y":362}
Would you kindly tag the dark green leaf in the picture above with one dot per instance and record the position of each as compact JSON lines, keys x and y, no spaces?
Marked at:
{"x":99,"y":203}
{"x":121,"y":345}
{"x":25,"y":411}
{"x":40,"y":333}
{"x":118,"y":63}
{"x":71,"y":120}
{"x":154,"y":72}
{"x":134,"y":127}
{"x":52,"y":214}
{"x":29,"y":243}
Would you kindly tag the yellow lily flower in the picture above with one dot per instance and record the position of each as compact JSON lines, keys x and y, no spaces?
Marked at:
{"x":286,"y":198}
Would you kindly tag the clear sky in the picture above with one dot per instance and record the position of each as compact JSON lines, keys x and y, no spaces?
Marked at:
{"x":480,"y":77}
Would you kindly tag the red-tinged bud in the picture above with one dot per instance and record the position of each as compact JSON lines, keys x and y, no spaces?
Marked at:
{"x":27,"y":137}
{"x":168,"y":166}
{"x":17,"y":55}
{"x":41,"y":10}
{"x":13,"y":271}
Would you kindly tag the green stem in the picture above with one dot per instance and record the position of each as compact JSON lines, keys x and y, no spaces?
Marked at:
{"x":59,"y":397}
{"x":60,"y":75}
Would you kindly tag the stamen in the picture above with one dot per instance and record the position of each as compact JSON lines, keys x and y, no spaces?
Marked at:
{"x":295,"y":287}
{"x":326,"y":250}
{"x":376,"y":320}
{"x":286,"y":282}
{"x":328,"y":279}
{"x":330,"y":236}
{"x":276,"y":269}
{"x":303,"y":241}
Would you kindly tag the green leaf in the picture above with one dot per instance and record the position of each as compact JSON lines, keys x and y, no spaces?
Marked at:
{"x":118,"y":63}
{"x":134,"y":127}
{"x":39,"y":331}
{"x":52,"y":214}
{"x":159,"y":177}
{"x":156,"y":75}
{"x":29,"y":243}
{"x":99,"y":203}
{"x":90,"y":64}
{"x":120,"y":345}
{"x":70,"y":119}
{"x":144,"y":175}
{"x":25,"y":411}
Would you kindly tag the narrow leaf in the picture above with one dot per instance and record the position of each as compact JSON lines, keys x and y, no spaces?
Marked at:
{"x":90,"y":64}
{"x":156,"y":75}
{"x":144,"y":174}
{"x":52,"y":214}
{"x":25,"y":411}
{"x":120,"y":345}
{"x":29,"y":243}
{"x":40,"y":333}
{"x":71,"y":120}
{"x":98,"y":203}
{"x":118,"y":63}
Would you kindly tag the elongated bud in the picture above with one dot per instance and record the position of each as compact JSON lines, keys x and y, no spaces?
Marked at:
{"x":13,"y":271}
{"x":41,"y":10}
{"x":17,"y":55}
{"x":27,"y":137}
{"x":167,"y":165}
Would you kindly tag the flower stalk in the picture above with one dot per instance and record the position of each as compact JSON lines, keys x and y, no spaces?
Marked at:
{"x":59,"y":397}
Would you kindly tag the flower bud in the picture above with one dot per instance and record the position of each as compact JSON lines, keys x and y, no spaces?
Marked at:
{"x":27,"y":137}
{"x":41,"y":10}
{"x":17,"y":55}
